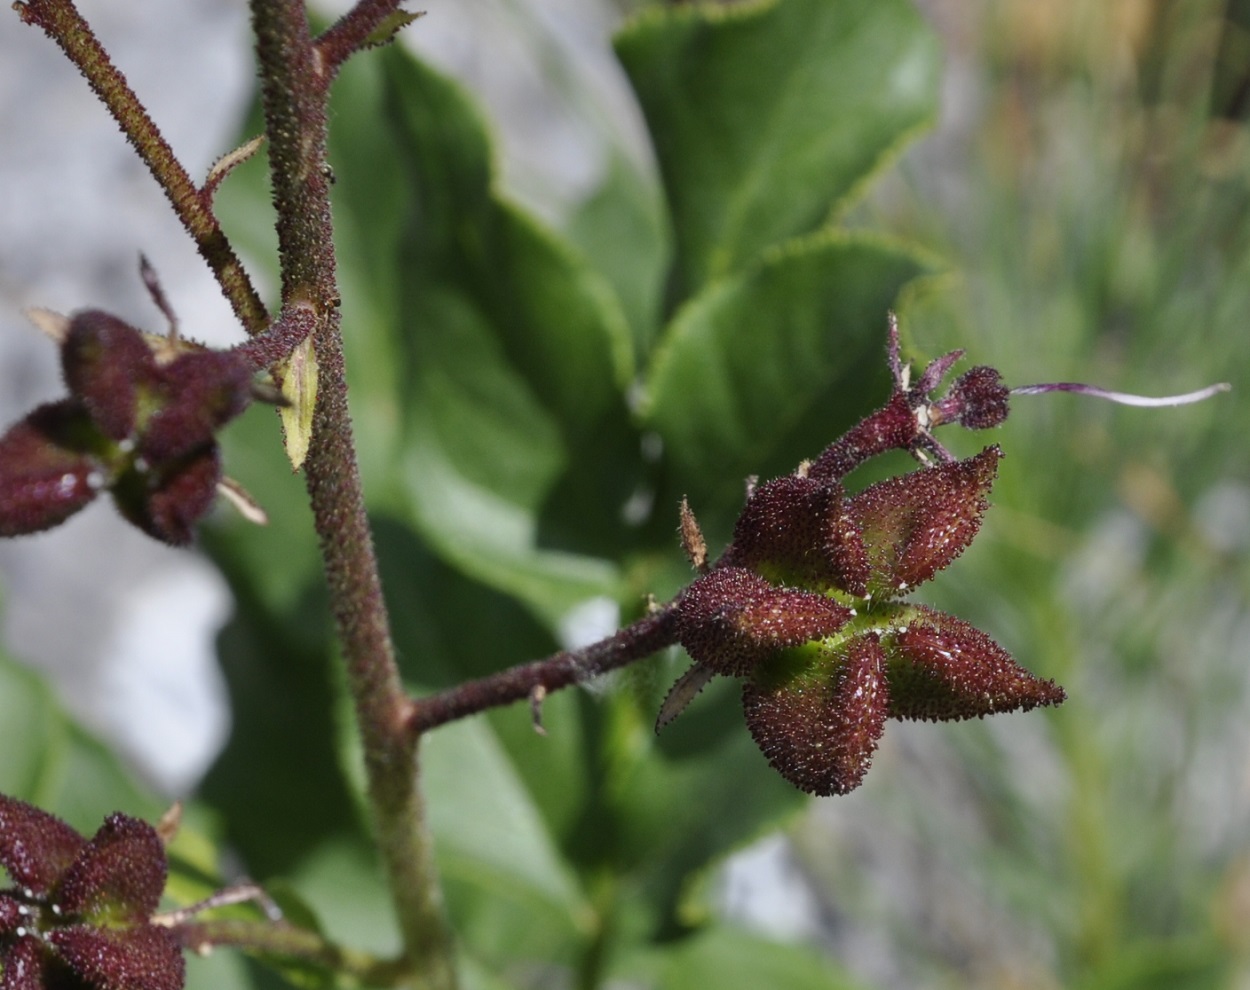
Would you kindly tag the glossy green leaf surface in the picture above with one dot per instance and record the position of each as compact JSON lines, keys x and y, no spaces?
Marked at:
{"x":732,"y":959}
{"x":621,"y":229}
{"x":754,"y":357}
{"x":509,"y":888}
{"x":767,"y":115}
{"x":50,"y":761}
{"x":517,"y":352}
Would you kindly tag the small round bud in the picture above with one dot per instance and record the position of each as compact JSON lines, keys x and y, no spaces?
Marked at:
{"x":982,"y":398}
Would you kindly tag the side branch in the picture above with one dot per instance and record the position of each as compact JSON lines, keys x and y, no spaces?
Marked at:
{"x":65,"y":26}
{"x":643,"y":638}
{"x":286,"y":941}
{"x":369,"y":23}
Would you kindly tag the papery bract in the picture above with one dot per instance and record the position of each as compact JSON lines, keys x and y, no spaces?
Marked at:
{"x":141,"y":421}
{"x":141,"y":958}
{"x":203,"y":391}
{"x":36,"y":848}
{"x":801,"y":606}
{"x":167,"y":500}
{"x":117,"y":876}
{"x":80,"y":915}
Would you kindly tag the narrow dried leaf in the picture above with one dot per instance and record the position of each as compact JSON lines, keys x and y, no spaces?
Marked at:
{"x":48,"y":322}
{"x":299,"y":389}
{"x":682,"y":693}
{"x":228,"y":162}
{"x":692,"y":541}
{"x":243,"y":502}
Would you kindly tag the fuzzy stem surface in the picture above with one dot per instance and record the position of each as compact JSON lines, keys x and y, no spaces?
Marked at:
{"x":294,"y":87}
{"x":645,"y":637}
{"x":350,"y":33}
{"x":289,"y":942}
{"x":61,"y":21}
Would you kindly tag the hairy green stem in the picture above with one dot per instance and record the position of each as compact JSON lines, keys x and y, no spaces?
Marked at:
{"x":286,"y":941}
{"x":294,"y":86}
{"x":65,"y":26}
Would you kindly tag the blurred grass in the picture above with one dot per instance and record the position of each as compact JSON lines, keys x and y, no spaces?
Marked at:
{"x":1089,"y":187}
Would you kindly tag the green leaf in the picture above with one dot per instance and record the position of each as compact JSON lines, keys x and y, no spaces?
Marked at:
{"x":272,"y":565}
{"x":51,"y":762}
{"x":368,"y":231}
{"x":1193,"y":962}
{"x":621,"y":230}
{"x":767,"y":116}
{"x":278,"y":670}
{"x":509,"y":890}
{"x":219,"y":970}
{"x":769,"y":360}
{"x":501,"y":795}
{"x":517,"y":355}
{"x":481,"y":457}
{"x":340,"y":886}
{"x":732,"y":959}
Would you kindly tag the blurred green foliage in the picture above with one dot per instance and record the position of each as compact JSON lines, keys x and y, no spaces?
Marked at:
{"x":531,"y":403}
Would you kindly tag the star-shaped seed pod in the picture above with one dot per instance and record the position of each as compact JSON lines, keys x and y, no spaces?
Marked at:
{"x":78,"y":913}
{"x":140,"y":422}
{"x":804,"y":607}
{"x":805,"y":604}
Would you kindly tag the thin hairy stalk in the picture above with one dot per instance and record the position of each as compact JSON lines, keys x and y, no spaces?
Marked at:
{"x":535,"y":680}
{"x":358,"y":29}
{"x":294,"y":88}
{"x":64,"y":25}
{"x":279,"y":939}
{"x":293,"y":325}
